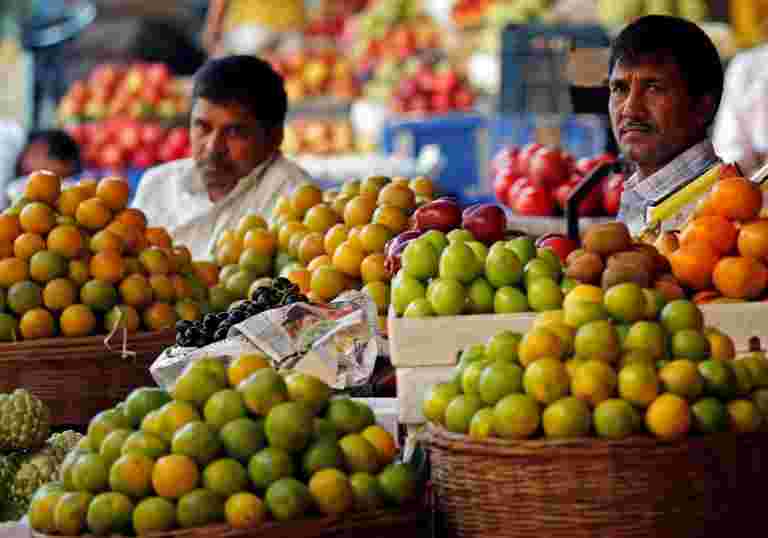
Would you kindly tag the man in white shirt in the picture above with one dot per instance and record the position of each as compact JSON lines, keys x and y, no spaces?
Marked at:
{"x":238,"y":112}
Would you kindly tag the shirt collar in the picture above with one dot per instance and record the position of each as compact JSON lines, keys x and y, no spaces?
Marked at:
{"x":197,"y":187}
{"x":689,"y":164}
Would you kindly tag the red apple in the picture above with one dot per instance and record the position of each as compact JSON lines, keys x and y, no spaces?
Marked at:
{"x":559,"y":244}
{"x":561,"y":194}
{"x":505,"y":161}
{"x":518,"y":185}
{"x":612,"y":191}
{"x":79,"y":134}
{"x":129,"y":138}
{"x":501,"y":187}
{"x":442,"y":214}
{"x":487,"y":222}
{"x":178,"y":137}
{"x":113,"y":157}
{"x":441,"y":102}
{"x":534,"y":201}
{"x":144,"y":158}
{"x":548,"y":167}
{"x":158,"y":74}
{"x":524,"y":158}
{"x":152,"y":134}
{"x":447,"y":81}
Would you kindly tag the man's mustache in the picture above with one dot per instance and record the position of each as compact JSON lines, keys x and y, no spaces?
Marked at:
{"x":637,"y":126}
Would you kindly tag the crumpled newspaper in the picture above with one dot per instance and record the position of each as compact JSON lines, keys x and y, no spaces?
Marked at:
{"x":336,"y":342}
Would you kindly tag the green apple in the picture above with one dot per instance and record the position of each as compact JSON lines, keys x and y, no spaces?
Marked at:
{"x":437,"y":239}
{"x":538,"y":268}
{"x":459,"y":262}
{"x":460,"y":235}
{"x":480,"y":250}
{"x":405,"y":289}
{"x":448,"y":297}
{"x":480,"y":297}
{"x":419,"y":308}
{"x":524,"y":248}
{"x":420,"y":260}
{"x":545,"y":294}
{"x":502,"y":267}
{"x":503,"y":345}
{"x":510,"y":300}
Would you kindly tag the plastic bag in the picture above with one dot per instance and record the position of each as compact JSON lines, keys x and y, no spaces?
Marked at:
{"x":336,"y":342}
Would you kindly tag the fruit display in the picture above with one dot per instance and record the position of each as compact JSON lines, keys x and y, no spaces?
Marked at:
{"x":315,"y":73}
{"x":612,"y":363}
{"x":76,"y":262}
{"x":319,"y":137}
{"x":471,"y":12}
{"x":140,"y":91}
{"x":721,"y":254}
{"x":536,"y":180}
{"x":29,"y":458}
{"x":118,"y":144}
{"x":266,"y":293}
{"x":325,"y":242}
{"x":616,"y":14}
{"x":238,"y":444}
{"x":433,"y":87}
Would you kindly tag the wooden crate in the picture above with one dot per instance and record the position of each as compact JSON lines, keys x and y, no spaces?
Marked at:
{"x":79,"y":377}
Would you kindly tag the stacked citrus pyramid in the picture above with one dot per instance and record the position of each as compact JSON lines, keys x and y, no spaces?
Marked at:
{"x":233,"y":443}
{"x":611,"y":364}
{"x":76,"y":262}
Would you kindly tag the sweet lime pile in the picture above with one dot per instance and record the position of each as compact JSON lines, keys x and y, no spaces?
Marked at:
{"x":609,"y":364}
{"x":235,"y":444}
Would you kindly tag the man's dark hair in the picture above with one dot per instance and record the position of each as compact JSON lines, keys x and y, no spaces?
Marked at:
{"x":246,"y":81}
{"x":61,"y":146}
{"x":682,"y":41}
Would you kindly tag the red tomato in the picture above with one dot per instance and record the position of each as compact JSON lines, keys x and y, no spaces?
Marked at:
{"x":524,"y":158}
{"x":549,"y":167}
{"x":152,"y":134}
{"x":517,"y":185}
{"x":612,"y":194}
{"x":501,"y":186}
{"x":144,"y":158}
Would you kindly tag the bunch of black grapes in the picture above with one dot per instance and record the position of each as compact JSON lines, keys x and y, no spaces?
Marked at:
{"x":215,"y":326}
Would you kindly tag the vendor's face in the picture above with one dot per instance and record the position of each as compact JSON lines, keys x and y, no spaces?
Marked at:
{"x":228,"y":142}
{"x":654,"y":118}
{"x":37,"y":156}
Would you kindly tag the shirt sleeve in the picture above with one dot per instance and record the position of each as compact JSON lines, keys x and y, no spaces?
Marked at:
{"x":730,"y":136}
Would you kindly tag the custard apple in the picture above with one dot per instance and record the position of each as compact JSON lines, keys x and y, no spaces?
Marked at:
{"x":61,"y":443}
{"x":9,"y":465}
{"x":40,"y":468}
{"x":25,"y":421}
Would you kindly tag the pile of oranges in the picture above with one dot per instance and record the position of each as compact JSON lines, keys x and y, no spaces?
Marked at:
{"x":723,"y":251}
{"x":76,"y":262}
{"x":327,"y":242}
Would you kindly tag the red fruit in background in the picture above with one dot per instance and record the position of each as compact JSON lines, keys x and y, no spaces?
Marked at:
{"x":548,"y":167}
{"x":446,"y":81}
{"x":585,"y":165}
{"x":562,"y":193}
{"x":425,"y":79}
{"x":100,"y":135}
{"x":169,"y":152}
{"x":144,"y":158}
{"x":151,"y":94}
{"x":178,"y":137}
{"x":129,"y":138}
{"x":419,"y":103}
{"x":559,"y":244}
{"x":92,"y":156}
{"x":501,"y":187}
{"x":113,"y":157}
{"x":464,"y":99}
{"x":592,"y":203}
{"x":79,"y":134}
{"x":152,"y":134}
{"x":524,"y":158}
{"x":518,"y":185}
{"x":505,"y":161}
{"x":612,"y":190}
{"x":441,"y":102}
{"x":158,"y":74}
{"x":442,"y":214}
{"x":487,"y":222}
{"x":534,"y":201}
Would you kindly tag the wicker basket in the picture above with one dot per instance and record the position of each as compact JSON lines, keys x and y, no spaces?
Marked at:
{"x":79,"y":377}
{"x":408,"y":523}
{"x":638,"y":488}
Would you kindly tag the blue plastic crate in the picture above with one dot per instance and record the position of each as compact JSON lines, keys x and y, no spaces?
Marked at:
{"x":583,"y":135}
{"x":534,"y":59}
{"x":462,"y":140}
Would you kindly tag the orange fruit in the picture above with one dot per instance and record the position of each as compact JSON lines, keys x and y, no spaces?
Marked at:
{"x":327,"y":282}
{"x":122,"y":316}
{"x":740,"y":277}
{"x":162,"y":288}
{"x":339,"y":203}
{"x":77,"y":320}
{"x":295,"y":241}
{"x":59,"y":293}
{"x":397,"y":195}
{"x":13,"y":270}
{"x":89,"y":185}
{"x":159,"y":316}
{"x":392,"y":217}
{"x":114,"y":192}
{"x":736,"y":198}
{"x":422,"y":186}
{"x":372,"y":268}
{"x":158,"y":237}
{"x":37,"y":323}
{"x":301,"y":277}
{"x":79,"y":272}
{"x":93,"y":214}
{"x":320,"y":218}
{"x":374,"y":236}
{"x":693,"y":265}
{"x":27,"y":244}
{"x":69,"y":200}
{"x":348,"y":259}
{"x":108,"y":266}
{"x":228,"y":253}
{"x":10,"y":228}
{"x":311,"y":247}
{"x":208,"y":272}
{"x":66,"y":240}
{"x":181,"y":287}
{"x":359,"y":210}
{"x":132,"y":237}
{"x":43,"y":186}
{"x":261,"y":240}
{"x":6,"y":249}
{"x":36,"y":217}
{"x":335,"y":237}
{"x":155,"y":261}
{"x":319,"y":261}
{"x":753,"y":239}
{"x":175,"y":475}
{"x":353,"y":238}
{"x":287,"y":231}
{"x":106,"y":240}
{"x":133,"y":217}
{"x":714,"y":230}
{"x":304,"y":197}
{"x":136,"y":291}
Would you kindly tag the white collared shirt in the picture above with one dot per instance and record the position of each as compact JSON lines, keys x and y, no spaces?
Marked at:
{"x":173,"y":196}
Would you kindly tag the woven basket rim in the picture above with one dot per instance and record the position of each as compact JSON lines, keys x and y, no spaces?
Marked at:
{"x":73,"y":345}
{"x":360,"y":520}
{"x":581,"y":446}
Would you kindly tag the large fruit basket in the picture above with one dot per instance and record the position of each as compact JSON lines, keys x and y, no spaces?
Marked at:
{"x":402,"y":523}
{"x":634,"y":488}
{"x":78,"y":377}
